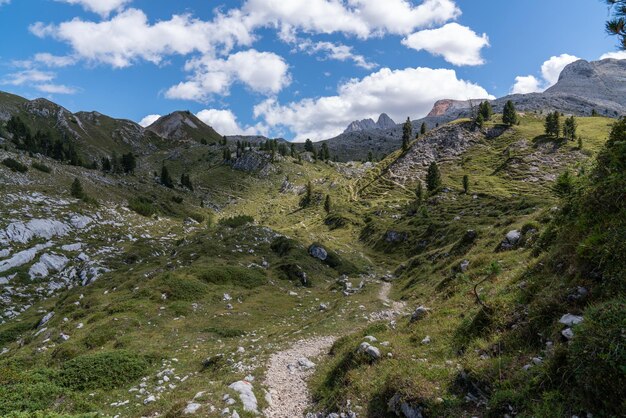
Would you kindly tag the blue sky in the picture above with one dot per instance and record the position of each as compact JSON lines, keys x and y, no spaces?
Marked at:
{"x":298,"y":68}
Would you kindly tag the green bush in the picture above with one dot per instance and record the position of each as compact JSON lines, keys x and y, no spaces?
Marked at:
{"x":198,"y":217}
{"x":237,"y":221}
{"x":182,"y":288}
{"x":226,"y":332}
{"x":41,"y":167}
{"x":106,"y":370}
{"x":236,"y":276}
{"x":15,"y":165}
{"x":282,"y":246}
{"x":142,"y":205}
{"x":14,"y":331}
{"x":598,"y":358}
{"x":29,"y":397}
{"x":177,"y":199}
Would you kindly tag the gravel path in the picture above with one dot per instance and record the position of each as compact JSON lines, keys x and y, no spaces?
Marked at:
{"x":286,"y":377}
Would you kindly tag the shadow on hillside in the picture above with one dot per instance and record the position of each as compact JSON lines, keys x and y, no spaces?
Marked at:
{"x":549,"y":143}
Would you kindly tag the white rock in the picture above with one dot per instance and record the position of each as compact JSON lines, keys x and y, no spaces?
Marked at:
{"x":47,"y":317}
{"x":569,"y":319}
{"x":568,"y":333}
{"x":370,"y":339}
{"x":72,"y":247}
{"x":305,"y":363}
{"x":513,"y":237}
{"x":22,"y":257}
{"x":46,"y":263}
{"x":191,"y":408}
{"x":149,"y":399}
{"x":36,"y":228}
{"x":5,"y":253}
{"x":246,"y":395}
{"x":426,"y":340}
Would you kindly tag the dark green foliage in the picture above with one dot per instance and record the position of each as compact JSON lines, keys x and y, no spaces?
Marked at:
{"x":569,"y":128}
{"x":41,"y":167}
{"x":178,"y":199}
{"x":370,"y":156}
{"x":466,"y":184}
{"x":283,"y":246}
{"x":166,"y":179}
{"x":185,"y":181}
{"x":142,"y":205}
{"x":292,"y":150}
{"x":407,"y":134}
{"x":419,"y":192}
{"x":616,"y":25}
{"x":237,"y":221}
{"x":59,"y":148}
{"x":28,"y":397}
{"x":182,"y":288}
{"x":480,"y":121}
{"x":226,"y":154}
{"x":224,"y":332}
{"x":485,"y":110}
{"x":597,"y":358}
{"x":564,"y":184}
{"x":433,"y":177}
{"x":552,"y":124}
{"x":327,"y":204}
{"x":423,"y":128}
{"x":509,"y":114}
{"x":76,"y":190}
{"x":325,"y":152}
{"x":307,"y":199}
{"x":129,"y":163}
{"x":14,"y":165}
{"x":233,"y":276}
{"x":308,"y":146}
{"x":104,"y":370}
{"x":11,"y":333}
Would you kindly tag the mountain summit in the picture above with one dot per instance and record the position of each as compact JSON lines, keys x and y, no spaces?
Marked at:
{"x":183,"y":126}
{"x":384,"y":122}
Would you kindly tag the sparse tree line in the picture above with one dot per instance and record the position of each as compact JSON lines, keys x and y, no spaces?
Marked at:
{"x":554,"y":127}
{"x":126,"y":164}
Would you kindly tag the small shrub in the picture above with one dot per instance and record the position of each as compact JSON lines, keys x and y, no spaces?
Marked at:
{"x":237,"y":221}
{"x":12,"y":333}
{"x":231,"y":275}
{"x":41,"y":167}
{"x":142,"y":205}
{"x":15,"y":165}
{"x":182,"y":288}
{"x":282,"y":246}
{"x":226,"y":332}
{"x":177,"y":199}
{"x":598,"y":358}
{"x":198,"y":217}
{"x":106,"y":370}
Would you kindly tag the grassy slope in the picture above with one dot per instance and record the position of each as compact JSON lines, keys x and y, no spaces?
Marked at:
{"x":125,"y":310}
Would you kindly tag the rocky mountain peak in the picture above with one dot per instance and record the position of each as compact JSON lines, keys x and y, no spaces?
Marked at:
{"x":384,"y":122}
{"x":182,"y":125}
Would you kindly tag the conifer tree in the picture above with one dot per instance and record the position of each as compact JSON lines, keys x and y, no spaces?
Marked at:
{"x":433,"y":177}
{"x":307,"y":199}
{"x":166,"y":179}
{"x":509,"y":114}
{"x":419,"y":192}
{"x":308,"y":146}
{"x":480,"y":121}
{"x":485,"y":110}
{"x":569,"y":128}
{"x":129,"y":163}
{"x":325,"y":152}
{"x":553,"y":124}
{"x":370,"y":156}
{"x":423,"y":128}
{"x":77,"y":189}
{"x":466,"y":183}
{"x":407,"y":134}
{"x":616,"y":26}
{"x":293,"y":150}
{"x":106,"y":164}
{"x":327,"y":204}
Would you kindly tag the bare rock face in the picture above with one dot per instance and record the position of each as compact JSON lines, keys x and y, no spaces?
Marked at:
{"x":384,"y":122}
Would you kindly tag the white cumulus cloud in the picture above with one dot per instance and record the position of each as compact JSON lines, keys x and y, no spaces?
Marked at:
{"x":459,"y":45}
{"x":618,"y":55}
{"x":399,"y":93}
{"x":262,"y":72}
{"x":225,"y":122}
{"x":101,"y":7}
{"x":149,"y":120}
{"x":128,"y":36}
{"x":550,"y":72}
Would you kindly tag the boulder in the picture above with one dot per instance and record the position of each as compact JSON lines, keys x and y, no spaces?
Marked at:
{"x":569,"y":319}
{"x":246,"y":394}
{"x":318,"y":252}
{"x":419,"y":313}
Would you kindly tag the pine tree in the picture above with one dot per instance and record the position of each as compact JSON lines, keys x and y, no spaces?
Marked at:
{"x":185,"y":181}
{"x":466,"y":183}
{"x":325,"y":152}
{"x":552,"y":124}
{"x":616,"y":26}
{"x":407,"y":134}
{"x":327,"y":205}
{"x":293,"y":150}
{"x":423,"y":128}
{"x":77,"y":189}
{"x":166,"y":179}
{"x":569,"y":128}
{"x":419,"y":192}
{"x":308,"y":146}
{"x":485,"y":110}
{"x":433,"y":177}
{"x":106,"y":164}
{"x":580,"y":142}
{"x":370,"y":156}
{"x":307,"y":199}
{"x":129,"y":163}
{"x":509,"y":114}
{"x":480,"y":121}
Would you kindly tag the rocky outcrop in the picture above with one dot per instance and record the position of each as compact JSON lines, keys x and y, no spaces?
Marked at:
{"x":384,"y":122}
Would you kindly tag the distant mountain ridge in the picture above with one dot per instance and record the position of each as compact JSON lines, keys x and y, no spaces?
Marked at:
{"x":384,"y":122}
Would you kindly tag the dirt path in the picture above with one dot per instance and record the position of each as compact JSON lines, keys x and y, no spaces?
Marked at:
{"x":383,"y":295}
{"x":286,"y":377}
